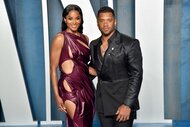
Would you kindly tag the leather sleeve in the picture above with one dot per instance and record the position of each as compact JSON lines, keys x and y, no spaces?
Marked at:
{"x":134,"y":62}
{"x":91,"y":62}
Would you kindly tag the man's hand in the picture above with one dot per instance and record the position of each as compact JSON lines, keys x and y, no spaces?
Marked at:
{"x":123,"y":113}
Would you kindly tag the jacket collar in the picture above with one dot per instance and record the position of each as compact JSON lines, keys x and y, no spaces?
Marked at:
{"x":115,"y":37}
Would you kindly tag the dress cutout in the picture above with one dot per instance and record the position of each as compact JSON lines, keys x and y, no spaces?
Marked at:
{"x":82,"y":94}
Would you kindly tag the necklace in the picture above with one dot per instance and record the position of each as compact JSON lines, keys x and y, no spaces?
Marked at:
{"x":103,"y":49}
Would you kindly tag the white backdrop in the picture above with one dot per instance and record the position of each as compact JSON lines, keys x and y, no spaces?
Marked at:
{"x":149,"y":30}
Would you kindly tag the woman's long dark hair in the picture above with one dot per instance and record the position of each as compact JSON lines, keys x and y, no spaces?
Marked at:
{"x":66,"y":11}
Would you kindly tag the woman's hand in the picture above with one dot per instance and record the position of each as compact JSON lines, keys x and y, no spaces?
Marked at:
{"x":60,"y":104}
{"x":92,"y":71}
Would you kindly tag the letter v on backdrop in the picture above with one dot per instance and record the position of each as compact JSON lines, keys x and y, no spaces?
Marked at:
{"x":18,"y":103}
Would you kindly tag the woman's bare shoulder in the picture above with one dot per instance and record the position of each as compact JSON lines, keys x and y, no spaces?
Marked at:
{"x":58,"y":39}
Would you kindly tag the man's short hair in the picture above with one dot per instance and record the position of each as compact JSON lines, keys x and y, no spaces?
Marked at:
{"x":105,"y":9}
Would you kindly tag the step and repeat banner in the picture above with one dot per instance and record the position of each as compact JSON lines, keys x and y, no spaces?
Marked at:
{"x":27,"y":28}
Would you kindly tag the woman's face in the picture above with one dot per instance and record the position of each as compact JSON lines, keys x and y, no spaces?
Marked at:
{"x":73,"y":21}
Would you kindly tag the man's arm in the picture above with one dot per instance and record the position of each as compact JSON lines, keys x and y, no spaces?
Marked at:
{"x":134,"y":63}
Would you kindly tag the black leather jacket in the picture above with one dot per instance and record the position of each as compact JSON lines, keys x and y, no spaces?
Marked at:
{"x":119,"y":73}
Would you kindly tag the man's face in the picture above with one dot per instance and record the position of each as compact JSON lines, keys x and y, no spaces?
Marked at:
{"x":106,"y":23}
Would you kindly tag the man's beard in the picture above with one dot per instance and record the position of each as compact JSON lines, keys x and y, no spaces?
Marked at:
{"x":107,"y":34}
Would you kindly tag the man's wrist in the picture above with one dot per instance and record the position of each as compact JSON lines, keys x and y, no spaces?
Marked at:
{"x":126,"y":106}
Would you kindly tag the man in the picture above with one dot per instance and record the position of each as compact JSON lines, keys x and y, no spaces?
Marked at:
{"x":117,"y":60}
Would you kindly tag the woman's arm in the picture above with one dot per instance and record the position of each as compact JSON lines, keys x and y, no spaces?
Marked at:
{"x":92,"y":71}
{"x":55,"y":52}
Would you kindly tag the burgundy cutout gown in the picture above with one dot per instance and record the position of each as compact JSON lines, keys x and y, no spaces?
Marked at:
{"x":82,"y":94}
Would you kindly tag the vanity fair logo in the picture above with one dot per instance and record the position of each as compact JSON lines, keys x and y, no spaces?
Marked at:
{"x":14,"y":99}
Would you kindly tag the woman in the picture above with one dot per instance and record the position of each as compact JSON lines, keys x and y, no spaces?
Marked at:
{"x":70,"y":52}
